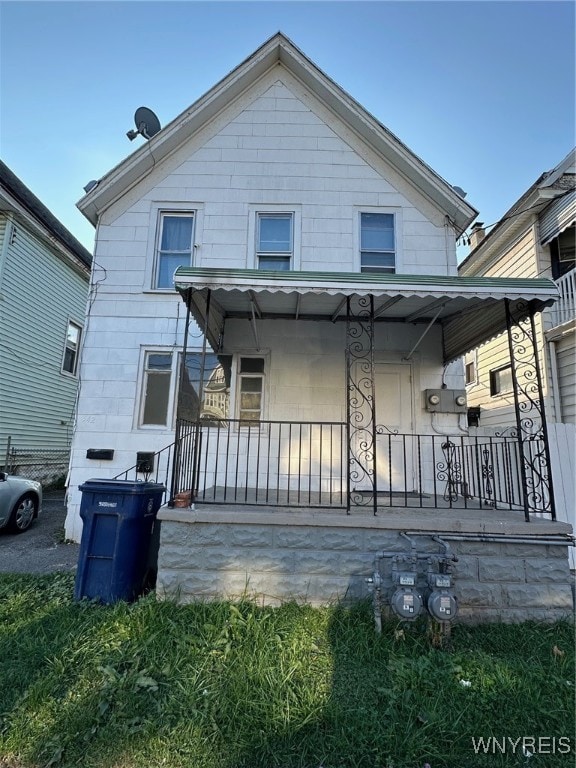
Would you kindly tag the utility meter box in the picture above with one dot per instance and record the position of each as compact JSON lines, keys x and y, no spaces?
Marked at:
{"x":445,"y":400}
{"x":406,"y":602}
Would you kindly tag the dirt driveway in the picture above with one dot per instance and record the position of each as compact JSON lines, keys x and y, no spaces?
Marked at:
{"x":41,"y":549}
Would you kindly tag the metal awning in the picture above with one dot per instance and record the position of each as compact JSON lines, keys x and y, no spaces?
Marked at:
{"x":469,"y":309}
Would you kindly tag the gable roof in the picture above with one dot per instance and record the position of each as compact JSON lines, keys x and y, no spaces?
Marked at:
{"x":278,"y":50}
{"x":16,"y":197}
{"x":549,"y":186}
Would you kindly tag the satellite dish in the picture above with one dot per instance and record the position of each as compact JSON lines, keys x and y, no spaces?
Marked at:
{"x":147,"y":124}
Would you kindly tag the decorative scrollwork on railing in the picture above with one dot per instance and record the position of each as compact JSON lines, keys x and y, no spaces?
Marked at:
{"x":360,"y":404}
{"x":529,"y":406}
{"x":487,"y":477}
{"x":382,"y":429}
{"x":449,"y":471}
{"x":512,"y":432}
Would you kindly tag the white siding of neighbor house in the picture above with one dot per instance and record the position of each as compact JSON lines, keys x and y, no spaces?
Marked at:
{"x":498,"y":411}
{"x":39,"y":294}
{"x":278,"y":147}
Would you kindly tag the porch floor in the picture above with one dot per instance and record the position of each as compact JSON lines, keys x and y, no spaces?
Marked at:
{"x":438,"y":519}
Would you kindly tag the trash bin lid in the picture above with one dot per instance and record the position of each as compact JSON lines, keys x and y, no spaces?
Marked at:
{"x":126,"y":487}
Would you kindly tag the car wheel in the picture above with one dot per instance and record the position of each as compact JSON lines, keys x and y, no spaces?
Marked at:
{"x":23,"y":514}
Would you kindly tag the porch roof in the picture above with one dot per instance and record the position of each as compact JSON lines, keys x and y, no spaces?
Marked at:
{"x":470,"y":309}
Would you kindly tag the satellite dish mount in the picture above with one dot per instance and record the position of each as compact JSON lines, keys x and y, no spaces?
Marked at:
{"x":147,"y":124}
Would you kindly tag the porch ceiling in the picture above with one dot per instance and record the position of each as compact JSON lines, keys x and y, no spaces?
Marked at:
{"x":469,"y":309}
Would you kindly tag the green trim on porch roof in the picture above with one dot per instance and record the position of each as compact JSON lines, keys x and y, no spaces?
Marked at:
{"x":454,"y":281}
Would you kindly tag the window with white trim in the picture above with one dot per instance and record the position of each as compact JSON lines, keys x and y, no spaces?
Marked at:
{"x":175,"y":245}
{"x":72,"y":348}
{"x":250,"y":396}
{"x":377,"y":242}
{"x":274,"y":240}
{"x":156,"y":386}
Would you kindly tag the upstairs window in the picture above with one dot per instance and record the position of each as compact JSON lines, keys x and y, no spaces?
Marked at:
{"x":71,"y":349}
{"x":175,"y":245}
{"x":377,"y":242}
{"x":274,"y":240}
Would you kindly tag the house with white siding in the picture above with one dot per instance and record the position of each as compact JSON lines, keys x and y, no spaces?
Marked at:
{"x":536,"y":237}
{"x":275,"y":337}
{"x":44,"y":278}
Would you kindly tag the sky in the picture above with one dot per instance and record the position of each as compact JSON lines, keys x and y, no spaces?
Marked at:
{"x":482,"y":91}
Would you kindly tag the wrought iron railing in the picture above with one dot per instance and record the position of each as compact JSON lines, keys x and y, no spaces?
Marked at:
{"x":156,"y":468}
{"x":303,"y":464}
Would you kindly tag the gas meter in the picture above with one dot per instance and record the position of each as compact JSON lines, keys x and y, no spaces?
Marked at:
{"x":406,"y":601}
{"x":441,"y":602}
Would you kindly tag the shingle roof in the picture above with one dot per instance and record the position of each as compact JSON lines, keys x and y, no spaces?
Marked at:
{"x":12,"y":184}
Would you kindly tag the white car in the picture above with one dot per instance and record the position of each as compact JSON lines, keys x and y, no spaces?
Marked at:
{"x":20,"y":502}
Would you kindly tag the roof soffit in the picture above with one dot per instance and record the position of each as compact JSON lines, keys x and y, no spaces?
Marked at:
{"x":277,"y":50}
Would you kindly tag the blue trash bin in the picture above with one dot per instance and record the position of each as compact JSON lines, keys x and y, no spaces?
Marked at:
{"x":114,"y":558}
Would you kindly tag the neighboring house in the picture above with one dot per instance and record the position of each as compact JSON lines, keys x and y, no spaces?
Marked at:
{"x":277,"y":308}
{"x":536,"y":237}
{"x":44,"y":280}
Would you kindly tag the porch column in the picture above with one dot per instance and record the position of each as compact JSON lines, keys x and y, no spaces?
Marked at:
{"x":531,"y":429}
{"x":188,"y":435}
{"x":360,"y":403}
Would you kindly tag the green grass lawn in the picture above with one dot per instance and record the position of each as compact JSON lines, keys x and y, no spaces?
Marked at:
{"x":225,"y":685}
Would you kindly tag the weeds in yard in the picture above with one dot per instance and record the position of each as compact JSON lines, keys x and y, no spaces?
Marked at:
{"x":226,"y":685}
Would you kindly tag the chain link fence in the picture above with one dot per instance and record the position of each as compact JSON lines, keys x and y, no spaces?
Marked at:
{"x":48,"y":466}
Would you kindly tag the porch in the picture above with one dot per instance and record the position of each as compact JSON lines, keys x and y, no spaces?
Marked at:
{"x":280,"y":508}
{"x":390,"y":449}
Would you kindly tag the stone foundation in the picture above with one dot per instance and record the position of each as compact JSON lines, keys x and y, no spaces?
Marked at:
{"x":320,"y":559}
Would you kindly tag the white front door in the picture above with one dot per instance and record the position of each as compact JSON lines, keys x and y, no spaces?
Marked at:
{"x":394,"y":420}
